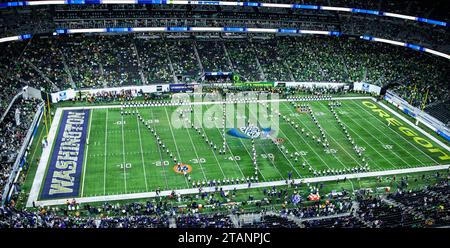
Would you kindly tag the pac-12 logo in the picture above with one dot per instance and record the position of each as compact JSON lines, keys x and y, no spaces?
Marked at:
{"x":251,"y":131}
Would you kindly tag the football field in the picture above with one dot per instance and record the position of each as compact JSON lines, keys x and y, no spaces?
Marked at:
{"x":146,"y":148}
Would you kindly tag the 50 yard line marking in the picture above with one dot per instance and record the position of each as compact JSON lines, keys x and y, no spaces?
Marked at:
{"x":87,"y":150}
{"x":142,"y":152}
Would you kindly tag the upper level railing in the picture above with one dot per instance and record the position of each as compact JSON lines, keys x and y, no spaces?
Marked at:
{"x":226,"y":30}
{"x":227,"y":3}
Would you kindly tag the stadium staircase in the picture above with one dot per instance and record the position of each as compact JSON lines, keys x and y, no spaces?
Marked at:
{"x":440,"y":110}
{"x":406,"y":209}
{"x":102,"y":73}
{"x":66,"y":69}
{"x":141,"y":73}
{"x":42,"y":74}
{"x":291,"y":76}
{"x":322,"y":218}
{"x":197,"y":56}
{"x":170,"y":65}
{"x":227,"y":56}
{"x":356,"y":215}
{"x":250,"y":218}
{"x":235,"y":220}
{"x":261,"y":71}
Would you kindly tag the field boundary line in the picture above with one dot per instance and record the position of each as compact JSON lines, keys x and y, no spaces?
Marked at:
{"x":245,"y":186}
{"x":414,"y":126}
{"x":87,"y":151}
{"x":218,"y":102}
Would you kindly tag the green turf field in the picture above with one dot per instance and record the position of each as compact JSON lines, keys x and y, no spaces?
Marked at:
{"x":123,"y":156}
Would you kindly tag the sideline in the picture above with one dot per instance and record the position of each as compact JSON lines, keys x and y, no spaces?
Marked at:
{"x":244,"y":186}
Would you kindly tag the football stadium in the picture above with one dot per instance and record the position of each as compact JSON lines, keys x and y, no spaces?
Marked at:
{"x":222,"y":114}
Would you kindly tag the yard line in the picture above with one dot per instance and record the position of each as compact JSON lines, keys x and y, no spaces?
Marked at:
{"x":367,"y":143}
{"x":159,"y":150}
{"x":142,"y":151}
{"x":395,"y":154}
{"x":245,"y":147}
{"x":306,"y":142}
{"x":123,"y":155}
{"x":215,"y":156}
{"x":106,"y":152}
{"x":196,"y":154}
{"x":174,"y":141}
{"x":293,"y":167}
{"x":339,"y":144}
{"x":87,"y":150}
{"x":331,"y":137}
{"x":271,"y":161}
{"x":401,"y":136}
{"x":401,"y":147}
{"x":229,"y":149}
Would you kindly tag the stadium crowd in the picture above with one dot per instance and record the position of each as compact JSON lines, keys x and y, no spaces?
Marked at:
{"x":12,"y":135}
{"x":426,"y":207}
{"x":91,"y":62}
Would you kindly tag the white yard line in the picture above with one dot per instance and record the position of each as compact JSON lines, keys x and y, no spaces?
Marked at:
{"x":174,"y":140}
{"x":124,"y":161}
{"x":196,"y":154}
{"x":229,"y":149}
{"x":87,"y":150}
{"x":290,"y":163}
{"x":142,"y":153}
{"x":271,"y":161}
{"x":214,"y":153}
{"x":245,"y":186}
{"x":245,"y":147}
{"x":339,"y":144}
{"x":331,"y":137}
{"x":159,"y":150}
{"x":367,"y":143}
{"x":306,"y":142}
{"x":106,"y":152}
